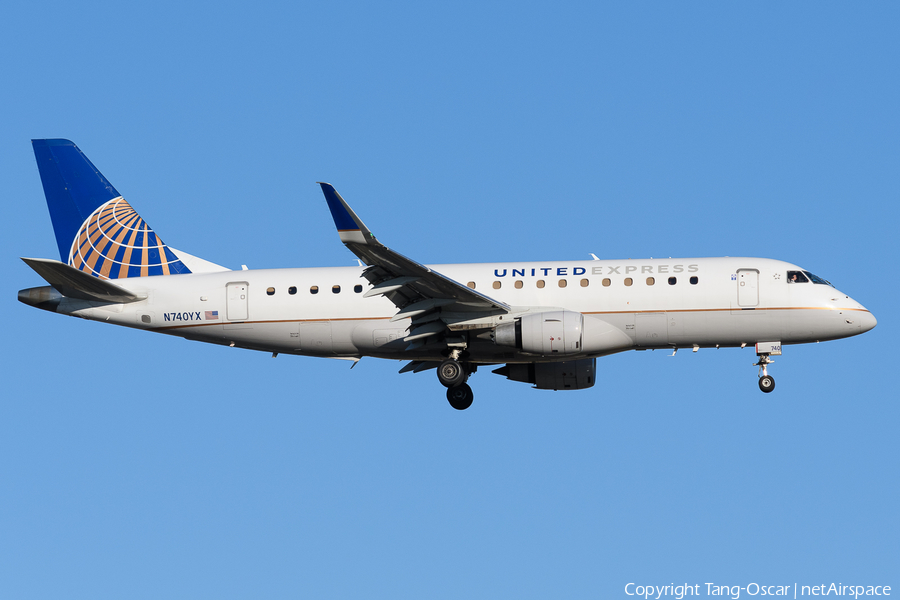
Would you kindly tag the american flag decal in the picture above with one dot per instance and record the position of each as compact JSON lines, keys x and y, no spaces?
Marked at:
{"x":212,"y":315}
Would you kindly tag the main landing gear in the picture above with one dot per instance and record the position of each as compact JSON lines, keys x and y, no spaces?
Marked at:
{"x":766,"y":381}
{"x":453,"y":375}
{"x":460,"y":397}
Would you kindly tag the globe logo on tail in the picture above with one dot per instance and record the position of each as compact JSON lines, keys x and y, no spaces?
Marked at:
{"x":114,"y":242}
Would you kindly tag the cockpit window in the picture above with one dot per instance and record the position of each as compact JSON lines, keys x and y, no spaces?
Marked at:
{"x":817,"y":279}
{"x":796,"y":277}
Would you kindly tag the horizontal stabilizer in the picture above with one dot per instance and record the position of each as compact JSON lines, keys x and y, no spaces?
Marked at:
{"x":72,"y":283}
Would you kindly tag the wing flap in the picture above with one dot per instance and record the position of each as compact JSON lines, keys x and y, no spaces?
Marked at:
{"x":391,"y":285}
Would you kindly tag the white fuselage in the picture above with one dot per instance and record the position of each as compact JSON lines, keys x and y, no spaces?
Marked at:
{"x":730,"y":302}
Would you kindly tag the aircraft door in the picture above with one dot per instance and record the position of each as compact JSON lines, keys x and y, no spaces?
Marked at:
{"x":237,"y":301}
{"x":748,"y":287}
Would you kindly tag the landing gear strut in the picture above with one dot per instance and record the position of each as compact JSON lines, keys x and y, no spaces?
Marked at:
{"x":766,"y":381}
{"x":453,"y":375}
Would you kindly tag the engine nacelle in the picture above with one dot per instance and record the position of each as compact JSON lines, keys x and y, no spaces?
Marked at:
{"x":567,"y":375}
{"x":561,"y":332}
{"x":545,"y":333}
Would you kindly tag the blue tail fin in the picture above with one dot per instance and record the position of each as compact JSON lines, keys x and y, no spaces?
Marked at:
{"x":97,"y":231}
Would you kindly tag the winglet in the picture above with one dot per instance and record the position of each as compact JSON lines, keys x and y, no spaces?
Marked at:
{"x":349,"y":226}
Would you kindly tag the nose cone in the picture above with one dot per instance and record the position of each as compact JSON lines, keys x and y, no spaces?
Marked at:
{"x":867,"y":321}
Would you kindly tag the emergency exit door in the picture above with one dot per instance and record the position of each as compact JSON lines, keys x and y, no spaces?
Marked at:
{"x":748,"y":287}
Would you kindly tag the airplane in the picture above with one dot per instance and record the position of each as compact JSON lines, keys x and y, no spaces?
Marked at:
{"x":546,"y":323}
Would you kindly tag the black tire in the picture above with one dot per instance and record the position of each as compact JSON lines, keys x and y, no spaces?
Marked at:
{"x":451,"y":373}
{"x":767,"y":383}
{"x":460,"y":397}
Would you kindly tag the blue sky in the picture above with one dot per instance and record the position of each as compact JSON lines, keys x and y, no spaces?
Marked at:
{"x":142,"y":466}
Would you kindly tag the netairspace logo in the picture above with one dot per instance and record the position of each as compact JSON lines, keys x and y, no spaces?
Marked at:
{"x":678,"y":592}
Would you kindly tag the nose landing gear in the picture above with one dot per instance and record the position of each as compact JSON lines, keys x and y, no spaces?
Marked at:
{"x":453,"y":375}
{"x":763,"y":351}
{"x":766,"y":381}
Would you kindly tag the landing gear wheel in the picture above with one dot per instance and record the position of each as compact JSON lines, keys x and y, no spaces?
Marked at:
{"x":460,"y":397}
{"x":451,"y":373}
{"x":766,"y":381}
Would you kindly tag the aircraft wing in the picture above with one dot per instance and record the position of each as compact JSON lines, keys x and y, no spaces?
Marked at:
{"x":415,"y":289}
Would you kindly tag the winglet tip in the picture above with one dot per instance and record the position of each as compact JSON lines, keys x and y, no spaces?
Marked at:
{"x":344,"y":218}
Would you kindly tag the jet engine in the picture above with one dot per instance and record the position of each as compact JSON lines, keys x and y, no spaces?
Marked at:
{"x":561,"y":333}
{"x":567,"y":375}
{"x":545,"y":333}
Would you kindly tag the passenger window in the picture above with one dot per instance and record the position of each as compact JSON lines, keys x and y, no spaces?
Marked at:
{"x":695,"y":280}
{"x":335,"y":289}
{"x":796,"y":277}
{"x":519,"y":284}
{"x":357,"y":288}
{"x":270,"y":291}
{"x":651,"y":281}
{"x":314,"y":289}
{"x":672,"y":280}
{"x":540,"y":283}
{"x":563,"y":283}
{"x":607,"y":282}
{"x":496,"y":285}
{"x":292,"y":290}
{"x":471,"y":284}
{"x":585,"y":283}
{"x":628,"y":281}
